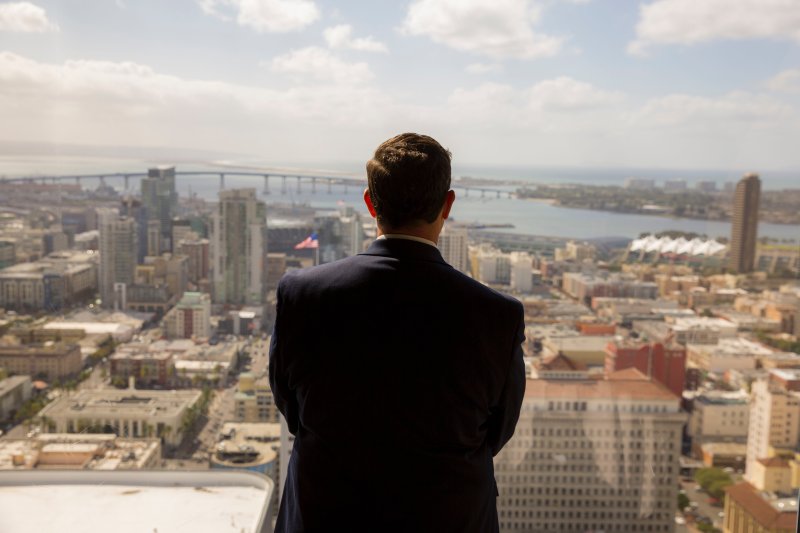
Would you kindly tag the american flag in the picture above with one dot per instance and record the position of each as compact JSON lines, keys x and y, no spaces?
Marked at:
{"x":310,"y":242}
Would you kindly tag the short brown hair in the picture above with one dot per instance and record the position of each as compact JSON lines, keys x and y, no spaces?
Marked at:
{"x":408,"y":180}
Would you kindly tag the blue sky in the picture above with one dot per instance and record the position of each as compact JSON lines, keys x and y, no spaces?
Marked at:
{"x":661,"y":83}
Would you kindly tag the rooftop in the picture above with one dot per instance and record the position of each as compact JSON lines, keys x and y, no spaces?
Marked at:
{"x":247,"y":443}
{"x":629,"y":384}
{"x":786,"y":374}
{"x":701,"y":322}
{"x":731,"y":449}
{"x":733,"y":347}
{"x":739,"y":397}
{"x":152,"y":501}
{"x":97,"y":403}
{"x":771,"y":513}
{"x":679,"y":246}
{"x":581,"y":342}
{"x":78,"y":451}
{"x":9,"y":384}
{"x":774,"y":462}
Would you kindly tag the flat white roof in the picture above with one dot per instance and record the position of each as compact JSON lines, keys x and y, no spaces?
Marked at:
{"x":92,"y":328}
{"x":133,"y":502}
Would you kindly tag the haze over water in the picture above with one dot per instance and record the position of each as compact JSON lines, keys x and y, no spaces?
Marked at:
{"x":528,"y":217}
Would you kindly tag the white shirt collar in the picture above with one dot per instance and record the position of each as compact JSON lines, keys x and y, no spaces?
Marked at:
{"x":407,"y":238}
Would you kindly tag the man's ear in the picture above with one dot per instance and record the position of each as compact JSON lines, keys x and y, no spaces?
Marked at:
{"x":448,"y":203}
{"x":368,"y":202}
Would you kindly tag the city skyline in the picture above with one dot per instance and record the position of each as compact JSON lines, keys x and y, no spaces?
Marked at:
{"x":178,"y":180}
{"x":579,"y":83}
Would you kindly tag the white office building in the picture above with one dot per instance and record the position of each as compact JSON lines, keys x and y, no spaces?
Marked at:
{"x":521,"y":277}
{"x":126,"y":413}
{"x":453,"y":245}
{"x":774,"y":422}
{"x":592,"y":455}
{"x":238,"y":248}
{"x":118,"y":248}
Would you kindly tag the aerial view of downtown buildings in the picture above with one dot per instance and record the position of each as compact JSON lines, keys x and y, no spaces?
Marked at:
{"x":663,"y":386}
{"x":628,"y":170}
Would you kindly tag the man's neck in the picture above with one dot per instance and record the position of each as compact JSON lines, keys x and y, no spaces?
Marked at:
{"x":428,"y":232}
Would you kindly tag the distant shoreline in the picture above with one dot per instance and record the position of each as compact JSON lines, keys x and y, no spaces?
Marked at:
{"x":663,"y":214}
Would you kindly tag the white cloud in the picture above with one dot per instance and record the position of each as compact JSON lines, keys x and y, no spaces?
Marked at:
{"x":100,"y":102}
{"x":320,"y":64}
{"x":498,"y":29}
{"x":556,"y":121}
{"x":489,"y":102}
{"x":482,"y":68}
{"x":272,"y":16}
{"x":787,"y":81}
{"x":564,"y":94}
{"x":341,"y":36}
{"x":24,"y":17}
{"x":562,"y":104}
{"x":690,"y":22}
{"x":707,"y":113}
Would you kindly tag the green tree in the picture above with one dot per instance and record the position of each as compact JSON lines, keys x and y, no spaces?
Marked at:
{"x":683,"y":501}
{"x":708,"y":477}
{"x":717,"y":488}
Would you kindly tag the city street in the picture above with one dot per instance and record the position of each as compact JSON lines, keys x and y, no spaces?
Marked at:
{"x":701,"y":502}
{"x":96,"y":379}
{"x":259,"y":354}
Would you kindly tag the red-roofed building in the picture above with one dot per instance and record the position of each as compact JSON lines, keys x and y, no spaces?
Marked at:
{"x":747,"y":509}
{"x":666,"y":364}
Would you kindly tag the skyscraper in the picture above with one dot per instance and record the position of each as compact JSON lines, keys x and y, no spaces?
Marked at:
{"x":118,"y":248}
{"x":132,"y":207}
{"x":238,"y":248}
{"x":745,"y":223}
{"x":453,"y":245}
{"x":160,"y":200}
{"x":774,"y":419}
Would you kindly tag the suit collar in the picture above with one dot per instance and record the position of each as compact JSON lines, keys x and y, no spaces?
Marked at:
{"x":404,"y":249}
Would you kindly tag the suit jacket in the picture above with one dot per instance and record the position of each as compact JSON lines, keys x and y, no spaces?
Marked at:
{"x":400,"y":378}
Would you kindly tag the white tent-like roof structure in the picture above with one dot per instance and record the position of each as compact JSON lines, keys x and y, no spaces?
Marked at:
{"x":679,"y":246}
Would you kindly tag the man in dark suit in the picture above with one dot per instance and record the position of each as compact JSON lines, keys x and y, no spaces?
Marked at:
{"x":399,"y":376}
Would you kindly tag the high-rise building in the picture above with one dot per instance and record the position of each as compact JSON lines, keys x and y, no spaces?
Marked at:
{"x":154,"y":238}
{"x":198,"y":254}
{"x":453,"y":245}
{"x":592,"y":455}
{"x":133,"y":208}
{"x":774,"y":419}
{"x":182,"y":231}
{"x":238,"y":248}
{"x":160,"y":200}
{"x":118,"y":249}
{"x":521,"y":278}
{"x":352,"y":231}
{"x":745,"y":223}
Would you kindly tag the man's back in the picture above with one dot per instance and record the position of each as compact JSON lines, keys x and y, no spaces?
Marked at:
{"x":401,"y":378}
